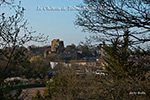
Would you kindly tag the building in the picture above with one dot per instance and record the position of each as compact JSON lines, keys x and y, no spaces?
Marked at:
{"x":57,"y":46}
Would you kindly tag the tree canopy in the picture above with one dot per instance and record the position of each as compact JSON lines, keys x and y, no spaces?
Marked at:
{"x":110,"y":18}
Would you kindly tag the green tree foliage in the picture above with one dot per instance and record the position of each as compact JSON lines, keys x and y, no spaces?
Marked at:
{"x":39,"y":67}
{"x":85,"y":51}
{"x":66,"y":85}
{"x":57,"y":85}
{"x":38,"y":96}
{"x":36,"y":59}
{"x":122,"y":62}
{"x":18,"y":62}
{"x":118,"y":62}
{"x":70,"y":86}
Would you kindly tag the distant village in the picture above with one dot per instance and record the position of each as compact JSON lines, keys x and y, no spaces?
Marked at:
{"x":89,"y":59}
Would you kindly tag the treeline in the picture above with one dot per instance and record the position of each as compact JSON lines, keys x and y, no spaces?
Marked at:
{"x":128,"y":79}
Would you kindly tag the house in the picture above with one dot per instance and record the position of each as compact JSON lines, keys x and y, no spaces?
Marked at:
{"x":79,"y":62}
{"x":53,"y":64}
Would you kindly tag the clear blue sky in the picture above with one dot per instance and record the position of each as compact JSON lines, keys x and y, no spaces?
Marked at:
{"x":56,"y":24}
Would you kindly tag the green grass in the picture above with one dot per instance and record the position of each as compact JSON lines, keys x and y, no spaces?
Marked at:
{"x":24,"y":86}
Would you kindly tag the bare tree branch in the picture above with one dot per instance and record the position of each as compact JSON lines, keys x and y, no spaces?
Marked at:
{"x":14,"y":33}
{"x":111,"y":16}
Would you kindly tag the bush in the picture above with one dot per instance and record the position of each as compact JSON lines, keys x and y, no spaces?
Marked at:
{"x":69,"y":86}
{"x":7,"y":89}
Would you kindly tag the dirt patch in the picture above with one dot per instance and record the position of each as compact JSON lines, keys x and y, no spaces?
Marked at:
{"x":27,"y":94}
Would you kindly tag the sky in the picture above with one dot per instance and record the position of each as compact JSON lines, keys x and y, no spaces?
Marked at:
{"x":56,"y":24}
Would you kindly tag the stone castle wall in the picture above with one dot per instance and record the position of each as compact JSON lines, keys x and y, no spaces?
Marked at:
{"x":57,"y":46}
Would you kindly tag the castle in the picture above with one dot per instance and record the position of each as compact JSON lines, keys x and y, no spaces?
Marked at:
{"x":57,"y":46}
{"x":57,"y":49}
{"x":87,"y":58}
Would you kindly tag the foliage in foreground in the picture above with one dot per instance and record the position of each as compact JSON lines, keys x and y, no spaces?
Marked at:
{"x":67,"y":86}
{"x":123,"y":62}
{"x":126,"y":80}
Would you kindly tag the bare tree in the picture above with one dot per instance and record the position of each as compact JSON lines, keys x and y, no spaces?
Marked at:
{"x":14,"y":33}
{"x":7,"y":2}
{"x":111,"y":17}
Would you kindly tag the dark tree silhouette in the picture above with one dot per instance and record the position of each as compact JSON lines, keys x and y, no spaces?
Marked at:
{"x":6,"y":2}
{"x":14,"y":34}
{"x":111,"y":18}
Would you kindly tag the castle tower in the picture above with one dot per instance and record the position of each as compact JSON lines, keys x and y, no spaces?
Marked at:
{"x":57,"y":46}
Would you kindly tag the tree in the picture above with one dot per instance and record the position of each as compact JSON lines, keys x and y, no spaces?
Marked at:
{"x":118,"y":63}
{"x":122,"y":62}
{"x":111,"y":17}
{"x":38,"y":96}
{"x":14,"y":34}
{"x":6,"y":2}
{"x":39,"y":67}
{"x":10,"y":38}
{"x":86,"y":51}
{"x":66,"y":85}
